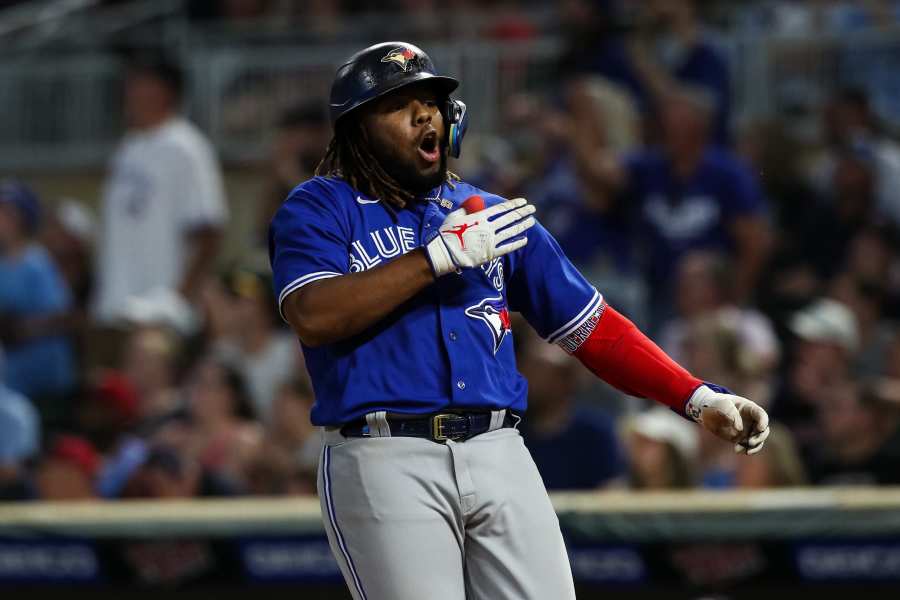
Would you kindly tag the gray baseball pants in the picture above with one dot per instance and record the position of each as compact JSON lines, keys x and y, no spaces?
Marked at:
{"x":411,"y":519}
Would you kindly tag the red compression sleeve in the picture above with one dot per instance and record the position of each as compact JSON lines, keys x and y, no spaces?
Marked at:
{"x":617,"y":352}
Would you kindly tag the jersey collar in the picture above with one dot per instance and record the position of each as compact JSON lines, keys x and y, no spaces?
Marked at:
{"x":434,"y":195}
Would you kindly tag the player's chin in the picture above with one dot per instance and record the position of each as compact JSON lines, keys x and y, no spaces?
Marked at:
{"x":429,"y":171}
{"x":427,"y":167}
{"x":424,"y":175}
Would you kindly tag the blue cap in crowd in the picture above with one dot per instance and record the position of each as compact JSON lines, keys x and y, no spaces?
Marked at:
{"x":20,"y":195}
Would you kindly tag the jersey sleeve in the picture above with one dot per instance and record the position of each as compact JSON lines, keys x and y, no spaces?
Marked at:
{"x":200,"y":180}
{"x":308,"y":241}
{"x":550,"y":292}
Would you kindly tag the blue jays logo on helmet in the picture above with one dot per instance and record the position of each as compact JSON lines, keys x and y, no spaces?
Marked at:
{"x":493,"y":313}
{"x":402,"y":57}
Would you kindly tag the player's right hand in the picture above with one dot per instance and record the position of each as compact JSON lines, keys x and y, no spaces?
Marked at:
{"x":470,"y":240}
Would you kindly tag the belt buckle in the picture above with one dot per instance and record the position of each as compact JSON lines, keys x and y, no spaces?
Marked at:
{"x":437,"y":427}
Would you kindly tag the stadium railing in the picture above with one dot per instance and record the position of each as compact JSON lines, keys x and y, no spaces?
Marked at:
{"x":799,"y":538}
{"x":606,"y":515}
{"x":66,"y":111}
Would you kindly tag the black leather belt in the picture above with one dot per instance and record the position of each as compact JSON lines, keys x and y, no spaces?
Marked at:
{"x":437,"y":428}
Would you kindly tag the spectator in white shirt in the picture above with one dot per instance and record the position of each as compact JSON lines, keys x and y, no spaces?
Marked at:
{"x":163,"y":204}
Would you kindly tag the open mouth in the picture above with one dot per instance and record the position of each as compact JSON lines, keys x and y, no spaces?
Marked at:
{"x":429,"y":149}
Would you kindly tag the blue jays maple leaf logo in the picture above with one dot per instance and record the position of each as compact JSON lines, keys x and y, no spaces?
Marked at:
{"x":402,"y":57}
{"x":493,"y":313}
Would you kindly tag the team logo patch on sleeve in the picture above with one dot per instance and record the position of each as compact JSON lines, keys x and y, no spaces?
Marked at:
{"x":493,"y":313}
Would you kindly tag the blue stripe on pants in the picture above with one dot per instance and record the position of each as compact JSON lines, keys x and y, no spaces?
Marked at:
{"x":329,"y":502}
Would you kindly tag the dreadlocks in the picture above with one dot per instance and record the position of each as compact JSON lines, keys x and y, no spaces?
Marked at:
{"x":349,"y":157}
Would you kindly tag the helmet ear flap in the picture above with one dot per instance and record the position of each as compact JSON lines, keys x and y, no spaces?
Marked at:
{"x":457,"y":121}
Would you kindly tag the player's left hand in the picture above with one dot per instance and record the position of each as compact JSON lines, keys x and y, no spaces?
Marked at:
{"x":732,"y":418}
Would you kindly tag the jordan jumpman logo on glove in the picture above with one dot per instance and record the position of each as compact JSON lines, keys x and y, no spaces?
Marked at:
{"x":469,"y":240}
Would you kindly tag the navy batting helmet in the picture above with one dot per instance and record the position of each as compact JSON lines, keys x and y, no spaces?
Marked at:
{"x":385,"y":67}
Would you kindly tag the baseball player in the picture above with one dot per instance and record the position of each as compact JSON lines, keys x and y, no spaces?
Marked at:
{"x":398,"y":278}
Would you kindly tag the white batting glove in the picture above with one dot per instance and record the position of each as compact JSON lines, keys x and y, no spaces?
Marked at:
{"x":730,"y":417}
{"x":470,"y":240}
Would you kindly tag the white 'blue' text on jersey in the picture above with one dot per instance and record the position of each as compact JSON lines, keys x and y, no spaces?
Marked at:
{"x":450,"y":345}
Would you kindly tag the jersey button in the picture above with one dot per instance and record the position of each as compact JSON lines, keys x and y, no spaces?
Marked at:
{"x":461,"y":384}
{"x":452,"y":336}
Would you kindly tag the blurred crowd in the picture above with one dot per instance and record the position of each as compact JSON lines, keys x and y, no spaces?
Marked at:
{"x":505,"y":18}
{"x":331,"y":20}
{"x":138,"y":364}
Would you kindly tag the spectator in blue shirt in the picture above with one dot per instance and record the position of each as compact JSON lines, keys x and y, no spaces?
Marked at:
{"x":574,"y":447}
{"x":649,"y":49}
{"x":680,"y":53}
{"x":563,"y":138}
{"x":690,"y":195}
{"x":33,"y":299}
{"x":573,"y":207}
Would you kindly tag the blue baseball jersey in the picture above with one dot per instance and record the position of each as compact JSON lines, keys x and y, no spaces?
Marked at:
{"x":694,"y":214}
{"x":447,"y":347}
